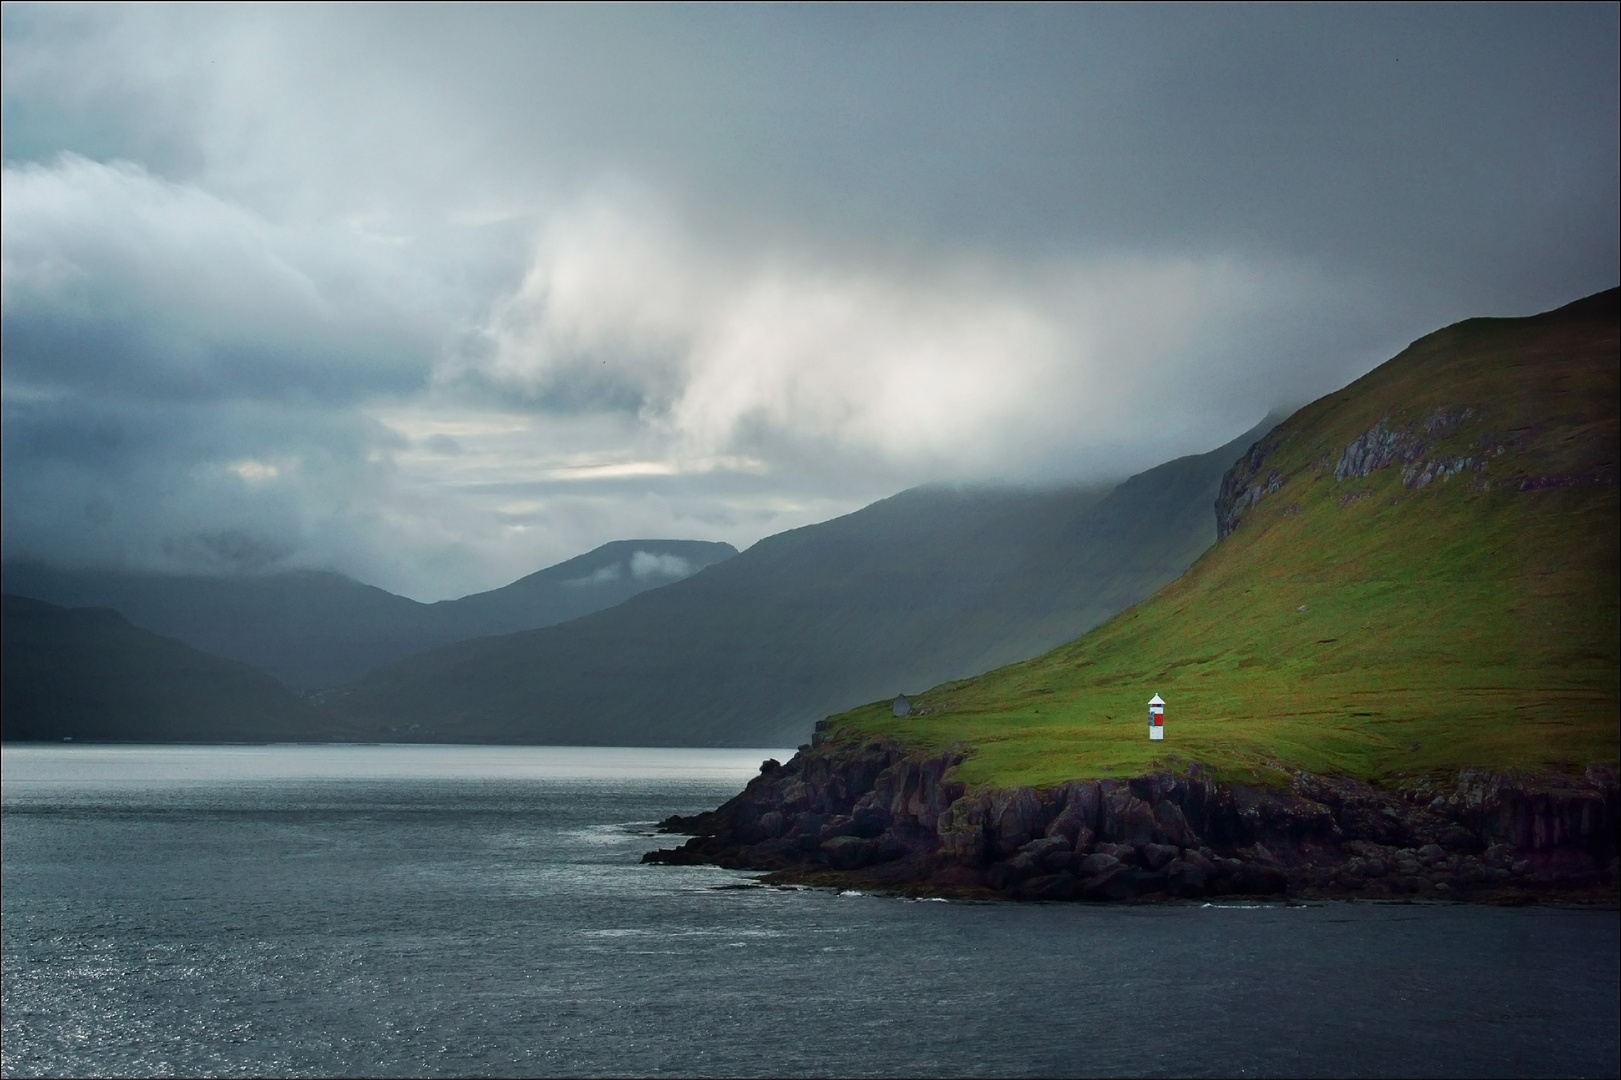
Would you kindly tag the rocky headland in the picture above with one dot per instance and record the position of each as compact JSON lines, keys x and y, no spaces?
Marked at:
{"x":873,"y":814}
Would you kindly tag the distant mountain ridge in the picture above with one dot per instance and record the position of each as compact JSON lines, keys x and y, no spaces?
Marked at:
{"x":314,"y":629}
{"x":87,"y":674}
{"x":933,"y":583}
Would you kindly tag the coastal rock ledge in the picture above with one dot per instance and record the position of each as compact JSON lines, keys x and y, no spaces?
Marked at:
{"x":875,"y":815}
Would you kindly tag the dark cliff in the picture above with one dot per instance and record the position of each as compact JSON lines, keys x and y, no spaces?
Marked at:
{"x":870,"y":813}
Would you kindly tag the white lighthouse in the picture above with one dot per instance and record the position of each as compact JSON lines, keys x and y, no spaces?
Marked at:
{"x":1156,"y":718}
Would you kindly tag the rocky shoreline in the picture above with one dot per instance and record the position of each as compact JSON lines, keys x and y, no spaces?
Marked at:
{"x":876,"y":815}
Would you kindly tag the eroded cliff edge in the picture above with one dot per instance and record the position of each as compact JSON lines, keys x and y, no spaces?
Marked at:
{"x":875,"y":814}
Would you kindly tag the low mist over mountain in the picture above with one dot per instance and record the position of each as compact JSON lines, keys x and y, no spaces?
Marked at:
{"x":315,"y":629}
{"x":934,"y":583}
{"x":88,"y":674}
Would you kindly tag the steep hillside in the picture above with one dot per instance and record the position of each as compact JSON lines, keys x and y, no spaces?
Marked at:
{"x":1416,"y":573}
{"x":87,"y":674}
{"x":1395,"y":675}
{"x":931,"y":584}
{"x":315,"y":629}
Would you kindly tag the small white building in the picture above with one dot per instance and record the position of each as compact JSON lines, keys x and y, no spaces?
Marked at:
{"x":1156,"y":718}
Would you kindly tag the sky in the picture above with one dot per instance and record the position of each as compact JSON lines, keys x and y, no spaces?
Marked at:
{"x":439,"y":296}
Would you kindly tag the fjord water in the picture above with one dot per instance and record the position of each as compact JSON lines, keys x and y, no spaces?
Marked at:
{"x":409,"y":910}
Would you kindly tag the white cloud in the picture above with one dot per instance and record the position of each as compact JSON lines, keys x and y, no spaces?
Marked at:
{"x":601,"y":576}
{"x":644,"y":565}
{"x":254,"y":472}
{"x":965,"y":367}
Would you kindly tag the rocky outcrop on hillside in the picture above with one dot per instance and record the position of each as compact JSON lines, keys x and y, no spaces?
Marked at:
{"x":875,"y":814}
{"x":1412,"y":448}
{"x":1243,"y":486}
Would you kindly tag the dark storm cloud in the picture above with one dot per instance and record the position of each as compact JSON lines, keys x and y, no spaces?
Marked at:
{"x":439,"y":294}
{"x":1340,"y":132}
{"x":1408,"y":139}
{"x":120,"y":283}
{"x":230,"y":550}
{"x":185,"y":485}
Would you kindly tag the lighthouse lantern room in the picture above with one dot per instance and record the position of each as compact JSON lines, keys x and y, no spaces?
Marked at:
{"x":1156,"y":718}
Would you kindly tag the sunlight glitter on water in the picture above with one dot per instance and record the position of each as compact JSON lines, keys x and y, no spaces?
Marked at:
{"x":453,"y":911}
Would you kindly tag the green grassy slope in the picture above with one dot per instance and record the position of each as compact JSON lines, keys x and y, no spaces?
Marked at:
{"x":1368,"y":615}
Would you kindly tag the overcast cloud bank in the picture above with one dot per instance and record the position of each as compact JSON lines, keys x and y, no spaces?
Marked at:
{"x":439,"y":297}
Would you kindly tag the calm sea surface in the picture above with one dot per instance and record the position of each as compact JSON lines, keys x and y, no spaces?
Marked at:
{"x":433,"y":911}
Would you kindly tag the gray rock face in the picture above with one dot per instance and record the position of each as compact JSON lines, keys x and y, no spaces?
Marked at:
{"x":1376,"y":448}
{"x":1127,"y":818}
{"x":1096,"y":863}
{"x":961,"y":829}
{"x":849,"y":852}
{"x":1171,"y":825}
{"x":903,"y":820}
{"x":1156,"y":856}
{"x":1382,"y":446}
{"x":1199,"y":861}
{"x":1077,"y":821}
{"x":1015,"y":818}
{"x":1243,"y":486}
{"x":1061,"y":861}
{"x":1186,"y":880}
{"x":1046,"y":849}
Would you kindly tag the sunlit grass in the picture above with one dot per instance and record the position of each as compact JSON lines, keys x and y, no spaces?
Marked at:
{"x":1397,"y":632}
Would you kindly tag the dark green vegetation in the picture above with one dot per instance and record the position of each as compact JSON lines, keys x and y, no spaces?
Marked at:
{"x":314,"y":630}
{"x":89,"y":674}
{"x":934,"y":583}
{"x":1419,"y":574}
